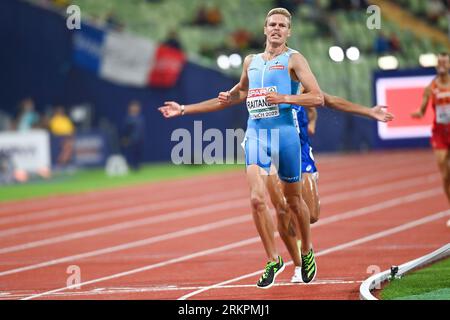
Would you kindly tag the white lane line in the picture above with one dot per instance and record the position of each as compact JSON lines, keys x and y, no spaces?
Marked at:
{"x":170,"y":216}
{"x":382,"y":188}
{"x":134,"y":290}
{"x":338,"y":217}
{"x":103,"y":206}
{"x":374,"y":167}
{"x":122,"y":212}
{"x":381,"y":206}
{"x":368,"y":179}
{"x":234,"y":245}
{"x":134,"y":244}
{"x":166,"y":217}
{"x":340,"y":247}
{"x":101,"y":202}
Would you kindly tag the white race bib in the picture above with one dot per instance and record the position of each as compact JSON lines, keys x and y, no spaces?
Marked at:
{"x":443,"y":114}
{"x":258,"y":107}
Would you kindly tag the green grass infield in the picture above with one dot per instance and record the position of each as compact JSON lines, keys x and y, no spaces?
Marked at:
{"x":429,"y":283}
{"x":97,"y":179}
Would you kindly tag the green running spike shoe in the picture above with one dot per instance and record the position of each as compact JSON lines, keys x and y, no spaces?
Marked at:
{"x":271,"y":271}
{"x":309,"y":268}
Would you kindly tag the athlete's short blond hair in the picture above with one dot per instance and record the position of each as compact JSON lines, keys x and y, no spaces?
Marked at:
{"x":281,"y":11}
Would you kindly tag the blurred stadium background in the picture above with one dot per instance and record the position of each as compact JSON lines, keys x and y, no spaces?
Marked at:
{"x":73,"y":88}
{"x":78,"y":104}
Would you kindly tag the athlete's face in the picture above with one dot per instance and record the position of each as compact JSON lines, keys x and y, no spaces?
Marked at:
{"x":443,"y":64}
{"x":277,"y":29}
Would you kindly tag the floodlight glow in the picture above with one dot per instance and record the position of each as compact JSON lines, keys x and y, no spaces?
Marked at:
{"x":235,"y":60}
{"x":352,"y":53}
{"x":223,"y":62}
{"x":388,"y":63}
{"x":427,"y":60}
{"x":336,"y":54}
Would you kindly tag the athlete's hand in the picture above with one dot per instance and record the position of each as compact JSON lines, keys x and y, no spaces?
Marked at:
{"x":417,"y":115}
{"x":380,"y":113}
{"x":311,"y":128}
{"x":170,"y":109}
{"x":274,"y":98}
{"x":224,"y":97}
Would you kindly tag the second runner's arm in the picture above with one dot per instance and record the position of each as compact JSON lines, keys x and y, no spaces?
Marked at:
{"x":312,"y":120}
{"x":378,"y":112}
{"x":423,"y":107}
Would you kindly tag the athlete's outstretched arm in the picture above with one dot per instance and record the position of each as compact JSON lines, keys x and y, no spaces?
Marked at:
{"x":312,"y":96}
{"x":423,"y":107}
{"x":174,"y":109}
{"x":225,"y":99}
{"x":378,"y":112}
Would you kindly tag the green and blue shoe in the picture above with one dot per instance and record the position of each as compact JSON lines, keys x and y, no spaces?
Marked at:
{"x":271,"y":271}
{"x":309,"y":267}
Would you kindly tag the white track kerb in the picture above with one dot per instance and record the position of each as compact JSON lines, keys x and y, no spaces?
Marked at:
{"x":377,"y":279}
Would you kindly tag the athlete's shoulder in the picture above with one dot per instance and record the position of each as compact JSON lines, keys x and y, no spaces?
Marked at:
{"x":296,"y":57}
{"x":294,"y":53}
{"x":291,"y":51}
{"x":433,"y":85}
{"x":249,"y":58}
{"x":247,"y":61}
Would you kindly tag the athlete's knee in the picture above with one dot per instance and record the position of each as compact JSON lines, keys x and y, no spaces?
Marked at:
{"x":315,"y":215}
{"x":285,"y":225}
{"x":257,"y":203}
{"x":314,"y":218}
{"x":442,"y":163}
{"x":294,"y":204}
{"x":446,"y":180}
{"x":445,"y":174}
{"x":283,"y":216}
{"x":281,"y":208}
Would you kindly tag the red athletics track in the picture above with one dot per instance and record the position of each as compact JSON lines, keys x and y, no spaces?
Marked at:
{"x":195,"y":239}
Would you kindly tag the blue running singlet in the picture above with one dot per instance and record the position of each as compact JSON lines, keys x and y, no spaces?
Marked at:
{"x":301,"y":120}
{"x":271,"y":136}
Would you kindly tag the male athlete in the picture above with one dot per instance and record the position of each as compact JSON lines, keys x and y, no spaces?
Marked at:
{"x":269,"y":82}
{"x":267,"y":107}
{"x":439,"y":91}
{"x":306,"y":124}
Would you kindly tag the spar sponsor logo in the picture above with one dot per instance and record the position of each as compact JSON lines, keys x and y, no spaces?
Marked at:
{"x":260,"y":92}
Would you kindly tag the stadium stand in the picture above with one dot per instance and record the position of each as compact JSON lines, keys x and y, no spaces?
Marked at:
{"x":435,"y":11}
{"x":317,"y":26}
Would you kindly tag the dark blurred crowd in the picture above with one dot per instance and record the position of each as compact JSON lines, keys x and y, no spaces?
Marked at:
{"x":432,"y":10}
{"x":27,"y":118}
{"x":56,"y":121}
{"x":384,"y":44}
{"x":129,"y":136}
